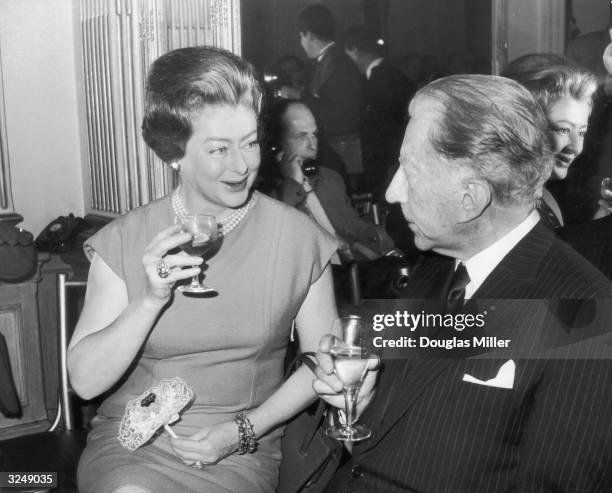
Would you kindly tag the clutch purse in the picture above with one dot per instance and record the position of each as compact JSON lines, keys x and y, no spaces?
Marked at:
{"x":156,"y":407}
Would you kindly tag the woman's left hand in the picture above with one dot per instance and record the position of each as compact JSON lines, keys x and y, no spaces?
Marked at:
{"x":209,"y":445}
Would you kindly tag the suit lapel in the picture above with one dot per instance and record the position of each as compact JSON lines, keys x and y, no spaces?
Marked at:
{"x":322,"y":71}
{"x":405,"y":381}
{"x":519,"y":268}
{"x":405,"y":386}
{"x":431,"y":275}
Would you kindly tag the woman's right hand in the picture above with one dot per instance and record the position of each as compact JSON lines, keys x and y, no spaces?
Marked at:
{"x":180,"y":265}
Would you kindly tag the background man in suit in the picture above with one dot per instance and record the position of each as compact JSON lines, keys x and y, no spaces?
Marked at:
{"x":320,"y":193}
{"x":293,"y":141}
{"x":472,"y":164}
{"x":383,"y":120}
{"x":333,"y":87}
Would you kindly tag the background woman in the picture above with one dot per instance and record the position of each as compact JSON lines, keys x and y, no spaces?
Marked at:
{"x":271,"y":268}
{"x":565,"y":91}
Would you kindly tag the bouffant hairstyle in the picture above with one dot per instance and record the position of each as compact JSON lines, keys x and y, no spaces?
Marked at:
{"x":181,"y":83}
{"x":550,"y":77}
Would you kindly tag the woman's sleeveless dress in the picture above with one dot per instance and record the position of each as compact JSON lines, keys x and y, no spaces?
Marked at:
{"x":228,"y":348}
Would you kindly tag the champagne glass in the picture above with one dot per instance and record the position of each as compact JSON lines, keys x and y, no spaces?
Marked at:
{"x":350,"y":366}
{"x":204,"y":232}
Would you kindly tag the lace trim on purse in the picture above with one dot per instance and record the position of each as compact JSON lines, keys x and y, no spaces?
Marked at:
{"x":158,"y":406}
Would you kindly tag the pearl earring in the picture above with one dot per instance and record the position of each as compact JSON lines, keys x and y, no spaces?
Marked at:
{"x":175,"y":165}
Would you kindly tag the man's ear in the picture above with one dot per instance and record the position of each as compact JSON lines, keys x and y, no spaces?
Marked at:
{"x":475,"y":199}
{"x":279,"y":156}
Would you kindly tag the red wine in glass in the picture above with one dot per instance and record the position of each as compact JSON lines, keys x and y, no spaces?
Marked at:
{"x":204,"y":232}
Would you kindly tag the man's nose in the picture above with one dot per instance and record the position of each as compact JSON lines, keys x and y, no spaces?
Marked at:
{"x":396,"y":190}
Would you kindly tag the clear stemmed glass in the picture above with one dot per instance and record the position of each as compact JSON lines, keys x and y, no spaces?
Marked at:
{"x":204,"y":232}
{"x":350,"y":365}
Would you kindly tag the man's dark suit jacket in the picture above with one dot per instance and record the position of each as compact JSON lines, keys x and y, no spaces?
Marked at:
{"x":384,"y":118}
{"x":551,"y":432}
{"x":331,"y":193}
{"x":334,"y":93}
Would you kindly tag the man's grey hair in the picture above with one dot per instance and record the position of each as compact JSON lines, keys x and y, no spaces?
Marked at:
{"x":494,"y":126}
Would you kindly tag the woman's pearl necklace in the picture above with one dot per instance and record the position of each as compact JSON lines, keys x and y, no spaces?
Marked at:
{"x":225,"y":225}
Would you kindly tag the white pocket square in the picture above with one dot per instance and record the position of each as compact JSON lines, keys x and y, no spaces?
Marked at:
{"x":503,"y":380}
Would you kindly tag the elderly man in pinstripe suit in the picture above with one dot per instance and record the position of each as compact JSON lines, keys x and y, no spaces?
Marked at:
{"x":536,"y":417}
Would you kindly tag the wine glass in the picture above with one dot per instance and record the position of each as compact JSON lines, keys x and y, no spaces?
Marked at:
{"x":204,"y":232}
{"x":350,"y":366}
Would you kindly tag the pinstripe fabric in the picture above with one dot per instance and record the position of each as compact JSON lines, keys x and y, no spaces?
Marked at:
{"x":552,"y":432}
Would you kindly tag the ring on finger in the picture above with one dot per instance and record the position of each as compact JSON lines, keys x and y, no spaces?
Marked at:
{"x":163,"y":270}
{"x":198,"y":464}
{"x":172,"y":270}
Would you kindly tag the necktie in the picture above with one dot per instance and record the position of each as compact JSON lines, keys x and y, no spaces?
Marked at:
{"x":456,"y":290}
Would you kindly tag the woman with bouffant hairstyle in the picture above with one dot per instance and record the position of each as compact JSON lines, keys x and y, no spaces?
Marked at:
{"x":269,"y":269}
{"x":565,"y":91}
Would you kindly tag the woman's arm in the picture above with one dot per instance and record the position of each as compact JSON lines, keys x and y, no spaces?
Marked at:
{"x":111,"y":330}
{"x":315,"y":318}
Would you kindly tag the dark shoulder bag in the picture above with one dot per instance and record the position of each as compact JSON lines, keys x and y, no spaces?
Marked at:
{"x":18,"y":256}
{"x":310,"y":457}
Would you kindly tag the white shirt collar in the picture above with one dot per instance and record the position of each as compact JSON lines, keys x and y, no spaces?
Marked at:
{"x":374,"y":63}
{"x":482,"y":264}
{"x":324,"y":50}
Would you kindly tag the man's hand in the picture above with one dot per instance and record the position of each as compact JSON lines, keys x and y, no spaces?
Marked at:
{"x":329,"y":387}
{"x":291,"y":166}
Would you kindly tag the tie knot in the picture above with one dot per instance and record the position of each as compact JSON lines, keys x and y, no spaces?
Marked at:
{"x":460,"y":278}
{"x":456,"y":291}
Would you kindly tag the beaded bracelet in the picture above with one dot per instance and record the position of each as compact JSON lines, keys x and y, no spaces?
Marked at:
{"x":246,"y":436}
